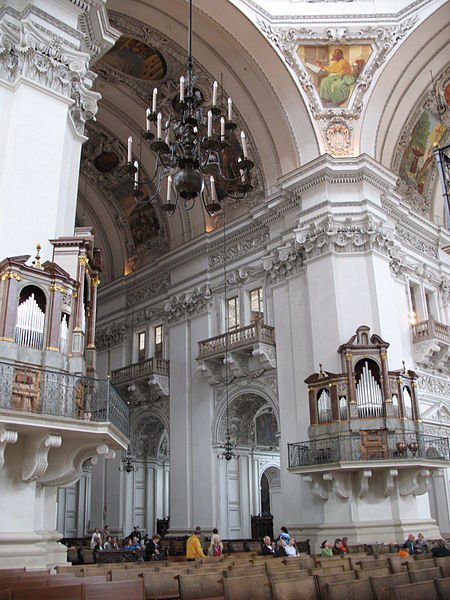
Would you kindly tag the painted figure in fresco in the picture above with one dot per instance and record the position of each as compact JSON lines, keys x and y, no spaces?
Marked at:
{"x":337,"y":85}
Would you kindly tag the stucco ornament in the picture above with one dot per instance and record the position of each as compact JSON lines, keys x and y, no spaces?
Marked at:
{"x":335,"y":97}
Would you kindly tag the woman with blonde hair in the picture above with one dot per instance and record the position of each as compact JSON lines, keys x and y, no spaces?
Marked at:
{"x":216,"y":546}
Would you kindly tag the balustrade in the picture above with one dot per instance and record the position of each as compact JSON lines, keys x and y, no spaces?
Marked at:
{"x":430,"y":329}
{"x":46,"y":392}
{"x":238,"y":338}
{"x":145,"y":368}
{"x":348,"y":448}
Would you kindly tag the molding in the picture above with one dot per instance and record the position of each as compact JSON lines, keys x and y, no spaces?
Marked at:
{"x":414,"y":483}
{"x":35,"y":459}
{"x":7,"y":436}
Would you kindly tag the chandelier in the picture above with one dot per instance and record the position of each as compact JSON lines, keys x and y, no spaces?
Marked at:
{"x":127,"y":461}
{"x":197,"y":155}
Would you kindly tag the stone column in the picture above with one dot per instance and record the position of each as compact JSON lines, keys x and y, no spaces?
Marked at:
{"x":46,"y":98}
{"x":192,"y":465}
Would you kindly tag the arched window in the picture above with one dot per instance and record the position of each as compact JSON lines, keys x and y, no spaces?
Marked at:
{"x":323,"y":406}
{"x":368,"y":390}
{"x":31,"y":317}
{"x":407,"y":402}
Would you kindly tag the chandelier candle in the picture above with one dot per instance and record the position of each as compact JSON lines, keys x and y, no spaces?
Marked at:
{"x":230,"y":109}
{"x":214,"y":97}
{"x":222,"y":129}
{"x":147,"y":120}
{"x":130,"y":149}
{"x":244,"y":144}
{"x":159,"y":126}
{"x":154,"y":98}
{"x":182,"y":89}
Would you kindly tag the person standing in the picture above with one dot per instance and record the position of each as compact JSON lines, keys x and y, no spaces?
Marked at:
{"x":216,"y":547}
{"x":194,"y":547}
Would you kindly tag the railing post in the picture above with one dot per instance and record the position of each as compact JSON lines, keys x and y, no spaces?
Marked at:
{"x":108,"y":385}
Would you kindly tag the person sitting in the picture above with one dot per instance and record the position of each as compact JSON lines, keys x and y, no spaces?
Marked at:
{"x":284,"y":535}
{"x":266,"y":546}
{"x":420,"y":544}
{"x":409,"y":544}
{"x":440,"y":550}
{"x":152,"y":548}
{"x":131,"y":544}
{"x":280,"y":550}
{"x":108,"y":545}
{"x":326,"y":549}
{"x":345,"y":545}
{"x":194,"y":547}
{"x":216,"y":546}
{"x":338,"y":548}
{"x":291,"y":548}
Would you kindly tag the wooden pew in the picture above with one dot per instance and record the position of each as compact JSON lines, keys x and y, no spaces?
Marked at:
{"x":415,"y":565}
{"x":367,"y":573}
{"x":425,"y":574}
{"x":415,"y":591}
{"x":162,"y":585}
{"x":324,"y":580}
{"x":293,"y":590}
{"x":247,"y":588}
{"x":443,"y":588}
{"x":202,"y":586}
{"x":66,"y":592}
{"x":382,"y":585}
{"x":129,"y":590}
{"x":444,"y":563}
{"x":350,"y":590}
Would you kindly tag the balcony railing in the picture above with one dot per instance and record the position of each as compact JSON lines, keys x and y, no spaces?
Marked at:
{"x":145,"y":368}
{"x":348,"y":448}
{"x":239,"y":338}
{"x":426,"y":330}
{"x":52,"y":393}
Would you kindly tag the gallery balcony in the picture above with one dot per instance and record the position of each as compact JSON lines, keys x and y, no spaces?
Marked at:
{"x":28,"y":391}
{"x":431,"y":340}
{"x":380,"y":447}
{"x":248,"y":349}
{"x":402,"y":461}
{"x":137,"y":380}
{"x":52,"y":422}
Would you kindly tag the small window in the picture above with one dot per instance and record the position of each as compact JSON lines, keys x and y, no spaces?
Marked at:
{"x":429,"y":299}
{"x":256,"y":304}
{"x":141,"y":346}
{"x":158,"y":341}
{"x":233,"y":313}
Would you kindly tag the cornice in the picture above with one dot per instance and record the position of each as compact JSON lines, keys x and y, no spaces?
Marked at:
{"x":353,"y":18}
{"x":332,"y":170}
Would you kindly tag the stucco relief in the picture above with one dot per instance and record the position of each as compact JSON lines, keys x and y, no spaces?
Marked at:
{"x":335,"y":67}
{"x":349,"y":235}
{"x":29,"y":52}
{"x":188,"y":304}
{"x":239,"y":248}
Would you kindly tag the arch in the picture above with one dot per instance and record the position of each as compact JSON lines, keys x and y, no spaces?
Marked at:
{"x":265,"y":398}
{"x":150,"y":435}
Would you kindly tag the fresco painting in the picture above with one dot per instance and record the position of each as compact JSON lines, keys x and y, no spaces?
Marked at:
{"x":137,"y":59}
{"x":334,"y":70}
{"x":418,"y":158}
